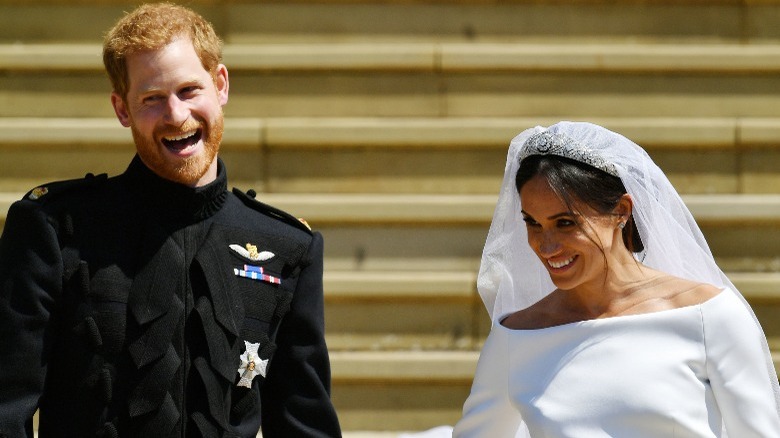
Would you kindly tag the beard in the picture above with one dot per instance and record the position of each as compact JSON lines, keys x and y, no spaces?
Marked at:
{"x":187,"y":170}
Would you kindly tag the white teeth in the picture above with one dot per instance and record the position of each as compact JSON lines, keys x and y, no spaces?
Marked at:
{"x":182,"y":136}
{"x":561,"y":264}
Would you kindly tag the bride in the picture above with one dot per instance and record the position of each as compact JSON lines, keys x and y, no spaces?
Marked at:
{"x":610,"y":316}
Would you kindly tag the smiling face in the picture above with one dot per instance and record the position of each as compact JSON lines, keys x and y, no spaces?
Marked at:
{"x":573,"y":246}
{"x":174,"y":110}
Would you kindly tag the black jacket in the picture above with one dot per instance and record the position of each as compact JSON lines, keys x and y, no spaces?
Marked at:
{"x":125,"y":304}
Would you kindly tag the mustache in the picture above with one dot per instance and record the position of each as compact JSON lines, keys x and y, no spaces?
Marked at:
{"x":190,"y":125}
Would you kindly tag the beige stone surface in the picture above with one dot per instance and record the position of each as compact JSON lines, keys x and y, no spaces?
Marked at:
{"x":486,"y":20}
{"x":759,"y":170}
{"x":419,"y":286}
{"x":602,"y":57}
{"x":397,"y":407}
{"x":563,"y":94}
{"x":425,"y":55}
{"x":404,"y":323}
{"x":431,"y":79}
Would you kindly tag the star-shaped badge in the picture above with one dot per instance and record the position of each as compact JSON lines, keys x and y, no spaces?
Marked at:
{"x":251,"y":365}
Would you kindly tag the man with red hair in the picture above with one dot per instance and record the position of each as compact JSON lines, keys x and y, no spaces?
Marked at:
{"x":157,"y":303}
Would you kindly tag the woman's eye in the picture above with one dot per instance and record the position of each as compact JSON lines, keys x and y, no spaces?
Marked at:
{"x":565,"y":223}
{"x":530,"y":222}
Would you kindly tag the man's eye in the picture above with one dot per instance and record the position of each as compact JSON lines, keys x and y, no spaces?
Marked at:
{"x":187,"y":91}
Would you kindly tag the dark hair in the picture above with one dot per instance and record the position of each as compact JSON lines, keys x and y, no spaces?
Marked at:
{"x":576,"y":182}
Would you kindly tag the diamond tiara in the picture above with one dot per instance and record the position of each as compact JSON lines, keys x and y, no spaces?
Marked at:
{"x":549,"y":143}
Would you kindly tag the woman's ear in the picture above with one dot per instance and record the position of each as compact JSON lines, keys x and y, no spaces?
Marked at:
{"x":624,"y":207}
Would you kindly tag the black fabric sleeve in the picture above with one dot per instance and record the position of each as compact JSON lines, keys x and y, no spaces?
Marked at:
{"x":30,"y":282}
{"x":295,"y":400}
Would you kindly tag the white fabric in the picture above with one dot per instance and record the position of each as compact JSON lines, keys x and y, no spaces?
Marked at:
{"x":436,"y":432}
{"x":675,"y":373}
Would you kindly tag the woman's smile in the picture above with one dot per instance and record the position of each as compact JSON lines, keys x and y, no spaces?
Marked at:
{"x":560,"y":264}
{"x":571,"y":244}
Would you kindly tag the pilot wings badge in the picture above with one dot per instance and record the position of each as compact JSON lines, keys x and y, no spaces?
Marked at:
{"x":250,"y":251}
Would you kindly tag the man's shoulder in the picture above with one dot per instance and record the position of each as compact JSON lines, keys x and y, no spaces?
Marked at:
{"x":281,"y":217}
{"x":58,"y":190}
{"x":51,"y":200}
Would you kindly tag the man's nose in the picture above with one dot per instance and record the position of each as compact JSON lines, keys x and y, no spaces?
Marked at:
{"x":177,"y":111}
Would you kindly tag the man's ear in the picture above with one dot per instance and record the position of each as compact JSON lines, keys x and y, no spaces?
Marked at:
{"x":120,"y":109}
{"x":222,"y":83}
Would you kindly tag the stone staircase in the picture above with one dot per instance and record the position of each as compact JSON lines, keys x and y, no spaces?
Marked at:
{"x":385,"y":124}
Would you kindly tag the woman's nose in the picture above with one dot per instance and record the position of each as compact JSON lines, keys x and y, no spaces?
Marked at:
{"x":549,"y":244}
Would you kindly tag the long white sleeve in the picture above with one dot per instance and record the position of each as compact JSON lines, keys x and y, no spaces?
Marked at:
{"x":736,"y":366}
{"x":488,"y":411}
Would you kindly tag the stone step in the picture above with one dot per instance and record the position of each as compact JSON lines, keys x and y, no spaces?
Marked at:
{"x":464,"y":20}
{"x":430,"y":56}
{"x":351,"y":154}
{"x":429,"y":79}
{"x":252,"y":133}
{"x":400,"y":390}
{"x":391,"y":310}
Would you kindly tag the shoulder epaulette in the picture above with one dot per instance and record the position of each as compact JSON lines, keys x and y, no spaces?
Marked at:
{"x":51,"y":190}
{"x":249,"y":199}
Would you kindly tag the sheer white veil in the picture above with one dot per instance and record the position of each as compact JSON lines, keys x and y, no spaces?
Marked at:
{"x":511,"y":277}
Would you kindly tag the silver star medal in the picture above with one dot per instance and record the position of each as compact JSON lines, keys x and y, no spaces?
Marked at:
{"x":251,"y":365}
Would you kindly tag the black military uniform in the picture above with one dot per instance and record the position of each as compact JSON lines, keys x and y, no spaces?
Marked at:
{"x":137,"y":307}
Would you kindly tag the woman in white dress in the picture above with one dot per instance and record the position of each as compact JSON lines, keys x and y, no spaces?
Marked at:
{"x":610,"y":316}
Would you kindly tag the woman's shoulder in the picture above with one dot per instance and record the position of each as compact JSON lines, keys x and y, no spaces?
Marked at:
{"x":667,"y":292}
{"x":541,"y":314}
{"x":663,"y":292}
{"x":680,"y":292}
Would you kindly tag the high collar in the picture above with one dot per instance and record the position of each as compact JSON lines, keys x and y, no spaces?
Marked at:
{"x":175,"y":201}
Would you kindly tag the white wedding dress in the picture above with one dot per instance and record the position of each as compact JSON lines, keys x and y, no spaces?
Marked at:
{"x":678,"y":373}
